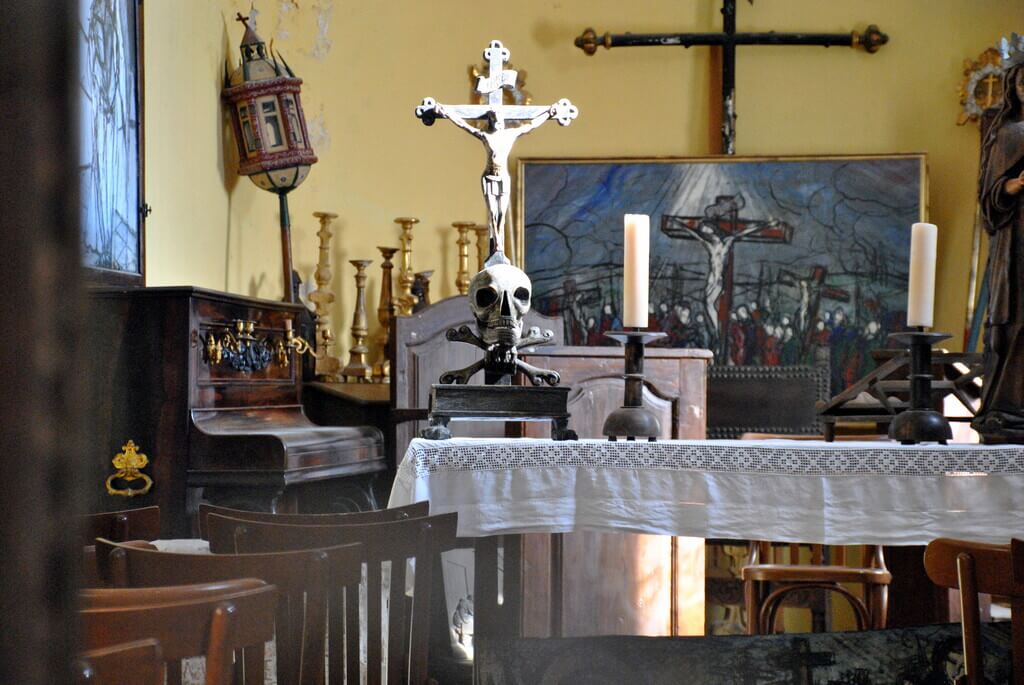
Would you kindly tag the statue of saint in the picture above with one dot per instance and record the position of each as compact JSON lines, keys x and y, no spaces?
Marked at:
{"x":496,"y":181}
{"x":1001,"y":198}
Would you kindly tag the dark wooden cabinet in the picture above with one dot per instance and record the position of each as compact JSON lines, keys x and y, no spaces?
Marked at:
{"x":229,"y":433}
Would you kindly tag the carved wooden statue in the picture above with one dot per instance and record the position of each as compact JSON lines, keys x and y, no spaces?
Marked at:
{"x":1001,"y":418}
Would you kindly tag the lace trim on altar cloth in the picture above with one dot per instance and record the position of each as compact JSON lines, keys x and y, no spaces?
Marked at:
{"x":736,"y":456}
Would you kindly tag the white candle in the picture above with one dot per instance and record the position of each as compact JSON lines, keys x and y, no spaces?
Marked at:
{"x":636,"y":265}
{"x":924,"y":240}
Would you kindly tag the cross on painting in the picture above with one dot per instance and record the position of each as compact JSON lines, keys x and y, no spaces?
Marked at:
{"x":764,"y":262}
{"x":718,"y":231}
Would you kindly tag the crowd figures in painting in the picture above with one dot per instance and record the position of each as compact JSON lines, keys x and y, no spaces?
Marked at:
{"x":765,"y":262}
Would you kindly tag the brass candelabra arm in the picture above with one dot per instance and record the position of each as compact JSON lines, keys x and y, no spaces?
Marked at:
{"x":299,"y":344}
{"x":240,"y":349}
{"x":283,"y":354}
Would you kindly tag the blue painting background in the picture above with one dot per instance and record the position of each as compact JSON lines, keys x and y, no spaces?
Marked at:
{"x":821,"y":263}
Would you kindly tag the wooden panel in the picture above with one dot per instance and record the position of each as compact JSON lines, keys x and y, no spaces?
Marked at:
{"x":622,"y":583}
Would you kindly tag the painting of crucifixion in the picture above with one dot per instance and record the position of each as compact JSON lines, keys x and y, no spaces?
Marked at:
{"x":774,"y":261}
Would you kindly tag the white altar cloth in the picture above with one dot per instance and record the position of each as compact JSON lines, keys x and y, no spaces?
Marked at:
{"x":784,"y":490}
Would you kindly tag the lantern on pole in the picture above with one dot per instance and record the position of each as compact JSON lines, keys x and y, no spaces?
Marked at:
{"x":262,"y":95}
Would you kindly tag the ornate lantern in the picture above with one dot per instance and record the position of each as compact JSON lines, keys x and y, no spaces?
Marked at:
{"x":262,"y":96}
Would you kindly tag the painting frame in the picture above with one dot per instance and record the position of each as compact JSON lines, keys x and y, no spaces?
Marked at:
{"x":132,"y":61}
{"x":591,"y":192}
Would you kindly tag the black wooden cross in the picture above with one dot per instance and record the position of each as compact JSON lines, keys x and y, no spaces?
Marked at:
{"x":871,"y":40}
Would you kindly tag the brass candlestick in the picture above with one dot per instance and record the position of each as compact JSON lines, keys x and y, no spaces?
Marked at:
{"x":406,"y":277}
{"x":385,"y":313}
{"x":483,"y":245}
{"x":327,"y":365}
{"x":462,"y":276}
{"x":357,"y":369}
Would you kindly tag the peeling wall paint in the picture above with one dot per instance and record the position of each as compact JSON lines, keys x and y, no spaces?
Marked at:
{"x":319,"y":136}
{"x":323,"y":10}
{"x":285,"y":10}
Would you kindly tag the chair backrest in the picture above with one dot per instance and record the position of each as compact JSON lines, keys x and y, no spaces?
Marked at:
{"x":129,"y":524}
{"x":211,"y":620}
{"x":765,"y":399}
{"x":420,"y":352}
{"x":417,"y":510}
{"x":396,"y":542}
{"x":132,"y":663}
{"x":300,"y":576}
{"x":973,"y":567}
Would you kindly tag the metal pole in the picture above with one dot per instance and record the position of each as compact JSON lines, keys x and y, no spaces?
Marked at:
{"x":286,"y":247}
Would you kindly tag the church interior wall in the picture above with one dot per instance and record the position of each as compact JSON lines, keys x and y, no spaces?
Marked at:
{"x":367,"y":65}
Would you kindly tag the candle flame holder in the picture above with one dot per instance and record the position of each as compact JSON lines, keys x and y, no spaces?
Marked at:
{"x":632,"y":420}
{"x":920,"y":422}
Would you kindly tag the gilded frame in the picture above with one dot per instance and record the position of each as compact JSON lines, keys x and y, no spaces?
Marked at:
{"x":559,"y":194}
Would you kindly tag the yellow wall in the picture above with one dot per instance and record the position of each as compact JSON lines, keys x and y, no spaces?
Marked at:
{"x":212,"y":229}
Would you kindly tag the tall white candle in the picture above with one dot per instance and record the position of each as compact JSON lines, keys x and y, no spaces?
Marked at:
{"x":924,"y":240}
{"x":636,"y":265}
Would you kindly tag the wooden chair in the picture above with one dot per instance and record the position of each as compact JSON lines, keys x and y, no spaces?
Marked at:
{"x":766,"y":585}
{"x":128,"y":524}
{"x":133,"y":663}
{"x":300,"y":576}
{"x":417,"y":510}
{"x":211,"y":620}
{"x":408,"y":640}
{"x":972,"y":568}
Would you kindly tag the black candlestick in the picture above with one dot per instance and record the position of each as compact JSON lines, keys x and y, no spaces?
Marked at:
{"x":632,"y":420}
{"x":920,"y":423}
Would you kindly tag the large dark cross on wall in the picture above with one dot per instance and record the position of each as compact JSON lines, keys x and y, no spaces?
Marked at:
{"x":871,"y":40}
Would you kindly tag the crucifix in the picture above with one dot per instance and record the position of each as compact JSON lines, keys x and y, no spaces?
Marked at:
{"x":493,"y":131}
{"x":718,"y":231}
{"x":812,"y":290}
{"x":871,"y":40}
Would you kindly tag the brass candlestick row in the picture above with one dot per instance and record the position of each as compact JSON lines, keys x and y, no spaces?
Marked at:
{"x":483,"y":245}
{"x":357,"y":369}
{"x":385,"y":314}
{"x":406,"y":277}
{"x":327,"y":366}
{"x":462,"y":275}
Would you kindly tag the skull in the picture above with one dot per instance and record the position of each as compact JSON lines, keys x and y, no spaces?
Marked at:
{"x":499,"y":297}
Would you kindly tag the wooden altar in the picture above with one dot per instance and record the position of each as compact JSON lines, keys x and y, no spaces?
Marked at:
{"x":600,"y":583}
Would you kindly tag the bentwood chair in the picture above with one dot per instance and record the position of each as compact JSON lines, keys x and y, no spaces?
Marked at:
{"x":128,"y":524}
{"x":140,"y":662}
{"x":300,"y":576}
{"x":212,"y":620}
{"x":972,"y":568}
{"x":404,"y":660}
{"x":766,"y":584}
{"x":417,"y":510}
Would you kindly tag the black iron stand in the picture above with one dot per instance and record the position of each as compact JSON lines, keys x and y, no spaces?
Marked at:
{"x":505,"y":403}
{"x":632,"y":420}
{"x":920,"y":422}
